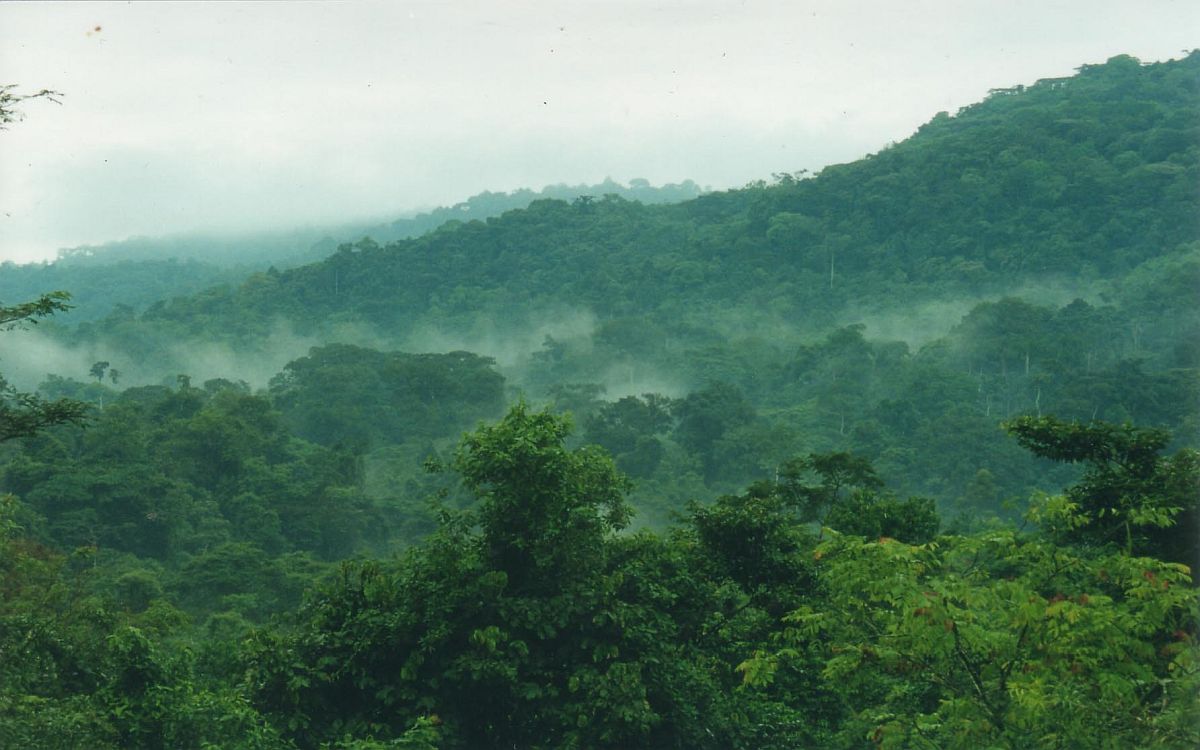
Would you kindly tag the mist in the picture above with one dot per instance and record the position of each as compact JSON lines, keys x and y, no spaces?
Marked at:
{"x":30,"y":355}
{"x":919,"y":323}
{"x":239,"y":117}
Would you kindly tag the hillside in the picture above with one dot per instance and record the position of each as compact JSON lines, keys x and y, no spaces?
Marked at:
{"x":1088,"y":176}
{"x":1037,"y":252}
{"x":139,"y":271}
{"x":900,"y":454}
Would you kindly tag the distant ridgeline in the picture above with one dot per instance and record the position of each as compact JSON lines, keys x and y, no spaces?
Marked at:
{"x":1085,"y":178}
{"x":1035,"y":253}
{"x":141,"y":270}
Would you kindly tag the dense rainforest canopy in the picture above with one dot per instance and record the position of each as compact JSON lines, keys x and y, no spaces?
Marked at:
{"x":899,"y":454}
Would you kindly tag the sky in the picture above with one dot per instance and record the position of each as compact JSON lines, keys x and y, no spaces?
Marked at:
{"x":178,"y":117}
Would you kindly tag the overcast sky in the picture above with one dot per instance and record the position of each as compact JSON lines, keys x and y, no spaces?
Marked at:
{"x":183,"y":116}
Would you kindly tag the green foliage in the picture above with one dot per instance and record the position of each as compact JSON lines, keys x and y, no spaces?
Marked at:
{"x":26,"y":414}
{"x":529,"y":621}
{"x":1003,"y":641}
{"x":544,"y":510}
{"x":10,"y":100}
{"x":880,"y":516}
{"x":531,"y":616}
{"x":423,"y":735}
{"x":74,"y":674}
{"x":705,"y":417}
{"x":539,"y":628}
{"x":756,"y":539}
{"x":355,"y":396}
{"x":837,"y":474}
{"x":1129,"y":496}
{"x":629,"y":428}
{"x":29,"y":312}
{"x":173,"y":474}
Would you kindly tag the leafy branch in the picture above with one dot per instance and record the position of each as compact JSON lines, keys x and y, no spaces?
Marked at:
{"x":9,"y":100}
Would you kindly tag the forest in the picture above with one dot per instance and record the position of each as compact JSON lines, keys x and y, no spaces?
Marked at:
{"x":898,"y":454}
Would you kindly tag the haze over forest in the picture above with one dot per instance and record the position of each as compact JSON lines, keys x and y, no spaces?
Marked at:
{"x":219,"y":117}
{"x":881,"y":445}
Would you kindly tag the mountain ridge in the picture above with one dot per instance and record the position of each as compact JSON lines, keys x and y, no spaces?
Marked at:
{"x":985,"y":200}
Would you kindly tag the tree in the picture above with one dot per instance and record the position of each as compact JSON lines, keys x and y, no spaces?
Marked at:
{"x":358,"y":397}
{"x":1000,"y":640}
{"x":544,"y":509}
{"x":26,"y":414}
{"x":707,"y":415}
{"x":1057,"y":638}
{"x":1130,"y":495}
{"x":755,"y":539}
{"x":528,"y":623}
{"x":29,"y":312}
{"x":837,"y":473}
{"x":629,"y":429}
{"x":877,"y":515}
{"x":9,"y":100}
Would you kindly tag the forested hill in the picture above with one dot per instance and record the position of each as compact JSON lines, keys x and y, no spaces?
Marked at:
{"x":1036,"y":253}
{"x":1089,"y":176}
{"x":136,"y":272}
{"x":488,"y":204}
{"x":902,"y":454}
{"x":295,"y":246}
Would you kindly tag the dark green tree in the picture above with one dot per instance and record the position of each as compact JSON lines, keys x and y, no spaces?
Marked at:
{"x":1130,"y":496}
{"x":629,"y":430}
{"x":26,"y":414}
{"x":705,"y":416}
{"x":879,"y":515}
{"x":98,"y":370}
{"x":817,"y":483}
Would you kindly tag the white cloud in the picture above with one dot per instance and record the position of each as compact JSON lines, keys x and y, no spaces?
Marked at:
{"x":189,"y":115}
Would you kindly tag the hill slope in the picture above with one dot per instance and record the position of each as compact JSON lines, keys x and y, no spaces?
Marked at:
{"x":1036,"y":253}
{"x":138,"y":271}
{"x":1085,"y":178}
